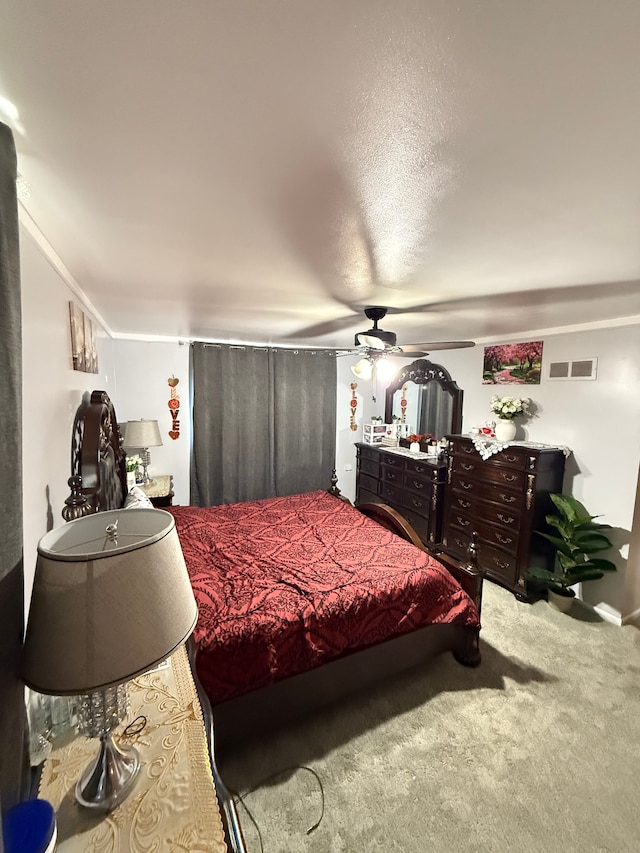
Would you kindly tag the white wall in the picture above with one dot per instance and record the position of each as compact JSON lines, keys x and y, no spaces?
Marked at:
{"x":51,"y":393}
{"x":345,"y":436}
{"x":142,"y":391}
{"x":599,"y":420}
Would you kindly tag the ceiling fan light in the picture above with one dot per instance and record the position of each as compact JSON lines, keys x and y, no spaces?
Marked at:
{"x":362,"y":369}
{"x":385,"y":369}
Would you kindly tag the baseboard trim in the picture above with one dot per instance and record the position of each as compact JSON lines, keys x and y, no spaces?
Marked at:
{"x":609,"y":615}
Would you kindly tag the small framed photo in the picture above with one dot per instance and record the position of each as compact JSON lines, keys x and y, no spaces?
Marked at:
{"x":84,"y":353}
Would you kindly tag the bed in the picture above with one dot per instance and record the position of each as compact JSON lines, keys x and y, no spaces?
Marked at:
{"x":302,"y":599}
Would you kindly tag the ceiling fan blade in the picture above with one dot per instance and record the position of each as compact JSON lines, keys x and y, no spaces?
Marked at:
{"x":411,"y":354}
{"x":326,"y":327}
{"x":412,"y":349}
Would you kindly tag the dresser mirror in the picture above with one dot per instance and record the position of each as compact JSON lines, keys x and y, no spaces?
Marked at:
{"x":431,"y":400}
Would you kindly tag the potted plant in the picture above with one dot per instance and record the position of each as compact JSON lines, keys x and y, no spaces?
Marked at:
{"x":576,"y":540}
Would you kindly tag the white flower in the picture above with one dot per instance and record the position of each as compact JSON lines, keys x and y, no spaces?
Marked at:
{"x":132,"y":462}
{"x":508,"y":407}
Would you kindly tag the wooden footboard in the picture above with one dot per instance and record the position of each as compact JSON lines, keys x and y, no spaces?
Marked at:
{"x":469,"y":575}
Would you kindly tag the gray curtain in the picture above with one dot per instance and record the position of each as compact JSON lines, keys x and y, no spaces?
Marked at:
{"x":13,"y":764}
{"x":264,"y":422}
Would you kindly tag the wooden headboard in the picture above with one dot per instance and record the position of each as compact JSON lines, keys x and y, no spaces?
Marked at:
{"x":98,"y":479}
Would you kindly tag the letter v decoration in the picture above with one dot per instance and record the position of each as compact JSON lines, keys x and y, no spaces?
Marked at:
{"x":174,"y":408}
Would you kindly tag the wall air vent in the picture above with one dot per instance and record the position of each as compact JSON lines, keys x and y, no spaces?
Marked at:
{"x":583,"y":368}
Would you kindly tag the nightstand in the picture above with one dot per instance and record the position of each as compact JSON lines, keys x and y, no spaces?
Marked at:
{"x":159,"y":490}
{"x":173,"y":805}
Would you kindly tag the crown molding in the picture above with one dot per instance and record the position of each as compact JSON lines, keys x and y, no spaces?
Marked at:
{"x":50,"y":254}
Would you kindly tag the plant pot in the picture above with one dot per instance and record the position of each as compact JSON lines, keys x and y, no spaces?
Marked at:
{"x":414,"y":447}
{"x":505,"y":430}
{"x":561,"y":601}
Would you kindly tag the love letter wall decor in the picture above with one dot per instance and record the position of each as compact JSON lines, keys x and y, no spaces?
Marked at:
{"x":174,"y":408}
{"x":353,"y":403}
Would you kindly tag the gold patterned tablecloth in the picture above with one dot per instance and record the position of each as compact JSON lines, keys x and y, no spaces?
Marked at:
{"x":159,"y":487}
{"x":173,"y":807}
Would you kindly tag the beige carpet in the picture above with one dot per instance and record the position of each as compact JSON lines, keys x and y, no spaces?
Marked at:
{"x":536,"y":750}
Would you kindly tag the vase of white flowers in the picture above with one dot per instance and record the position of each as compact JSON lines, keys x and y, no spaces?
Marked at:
{"x":133,"y":465}
{"x":508,"y":408}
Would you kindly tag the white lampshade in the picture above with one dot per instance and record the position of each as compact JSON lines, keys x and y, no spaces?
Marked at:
{"x":142,"y":434}
{"x":363,"y":368}
{"x":111,"y":599}
{"x":384,"y":369}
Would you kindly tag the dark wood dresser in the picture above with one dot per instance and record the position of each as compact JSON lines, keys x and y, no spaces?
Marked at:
{"x":411,"y":483}
{"x":504,"y":498}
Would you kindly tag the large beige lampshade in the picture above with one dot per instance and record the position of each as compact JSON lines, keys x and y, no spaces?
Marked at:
{"x":142,"y":434}
{"x":106,"y":606}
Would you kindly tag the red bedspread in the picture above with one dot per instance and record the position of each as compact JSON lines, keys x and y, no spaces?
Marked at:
{"x":286,"y":584}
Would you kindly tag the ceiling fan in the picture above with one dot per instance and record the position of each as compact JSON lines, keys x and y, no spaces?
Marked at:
{"x":376,"y":344}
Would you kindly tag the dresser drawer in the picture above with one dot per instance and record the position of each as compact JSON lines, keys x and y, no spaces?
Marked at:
{"x":420,"y":504}
{"x":417,"y":485}
{"x":483,"y":473}
{"x":367,"y":483}
{"x":503,"y":510}
{"x":420,"y":524}
{"x":498,"y":564}
{"x":390,"y":493}
{"x":425,"y":470}
{"x":489,"y":533}
{"x":368,"y":452}
{"x":508,"y":518}
{"x":369,"y":466}
{"x":390,"y":460}
{"x":391,"y":475}
{"x":516,"y":457}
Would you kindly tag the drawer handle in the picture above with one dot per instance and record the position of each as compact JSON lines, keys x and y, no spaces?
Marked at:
{"x":464,"y":504}
{"x":500,"y":564}
{"x":419,"y":469}
{"x":511,"y":458}
{"x":509,"y":477}
{"x":508,"y":499}
{"x":417,"y":484}
{"x":418,"y":504}
{"x":463,"y":522}
{"x":391,"y":475}
{"x":467,"y":449}
{"x":505,"y":519}
{"x":459,"y":543}
{"x":506,"y":540}
{"x":466,"y":466}
{"x":466,"y":485}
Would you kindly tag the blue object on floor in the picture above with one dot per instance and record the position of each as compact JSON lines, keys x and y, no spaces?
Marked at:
{"x":29,"y":827}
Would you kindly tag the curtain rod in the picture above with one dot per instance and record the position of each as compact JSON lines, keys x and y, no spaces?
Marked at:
{"x":266,"y":349}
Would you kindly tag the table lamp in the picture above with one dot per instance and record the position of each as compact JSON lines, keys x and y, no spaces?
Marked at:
{"x":142,"y":435}
{"x":111,"y":599}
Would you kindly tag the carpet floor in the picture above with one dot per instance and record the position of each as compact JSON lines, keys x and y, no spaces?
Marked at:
{"x":536,"y":750}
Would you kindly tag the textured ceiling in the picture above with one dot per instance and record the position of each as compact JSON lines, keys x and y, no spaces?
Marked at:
{"x":250,"y":170}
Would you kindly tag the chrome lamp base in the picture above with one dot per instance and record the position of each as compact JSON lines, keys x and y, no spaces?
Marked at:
{"x":108,"y":780}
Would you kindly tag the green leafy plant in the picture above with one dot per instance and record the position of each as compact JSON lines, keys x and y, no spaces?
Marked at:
{"x":576,"y":540}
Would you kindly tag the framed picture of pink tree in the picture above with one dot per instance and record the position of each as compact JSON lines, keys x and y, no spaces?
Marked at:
{"x":513,"y":364}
